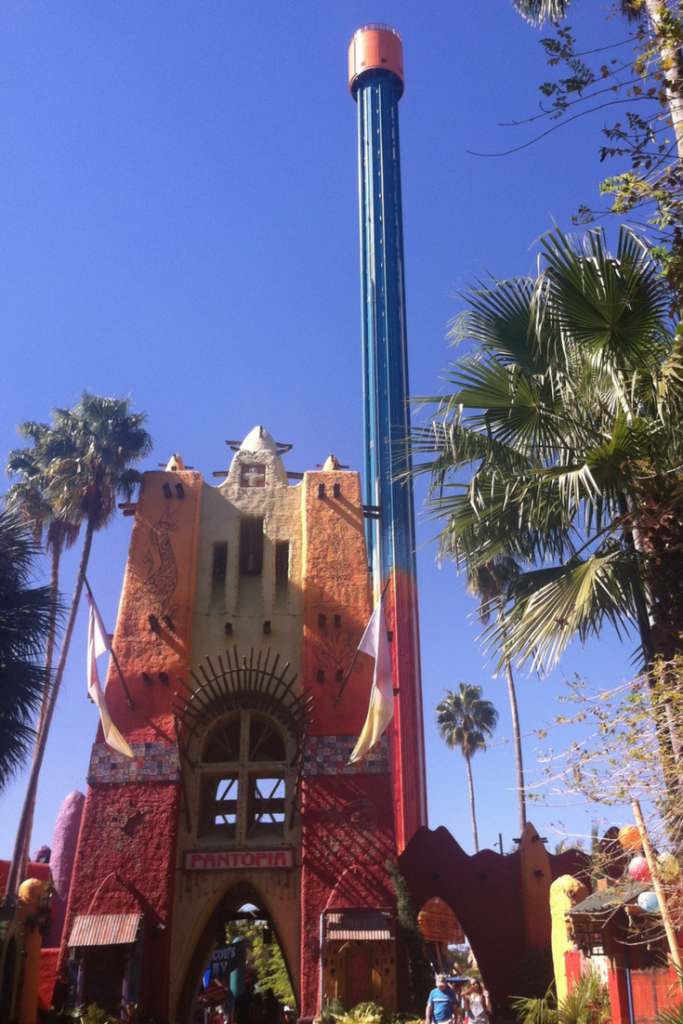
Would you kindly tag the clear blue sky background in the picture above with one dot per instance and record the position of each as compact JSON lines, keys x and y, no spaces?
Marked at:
{"x":179,"y":223}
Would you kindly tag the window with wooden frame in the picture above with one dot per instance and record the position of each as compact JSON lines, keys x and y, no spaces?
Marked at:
{"x":245,"y":781}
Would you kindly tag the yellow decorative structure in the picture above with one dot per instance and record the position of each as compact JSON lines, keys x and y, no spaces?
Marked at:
{"x":33,"y":900}
{"x":565,"y":893}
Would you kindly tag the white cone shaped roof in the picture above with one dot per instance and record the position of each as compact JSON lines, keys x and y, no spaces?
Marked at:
{"x":258,"y":440}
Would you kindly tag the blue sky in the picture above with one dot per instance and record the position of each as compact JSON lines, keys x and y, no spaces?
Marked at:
{"x":179,"y":223}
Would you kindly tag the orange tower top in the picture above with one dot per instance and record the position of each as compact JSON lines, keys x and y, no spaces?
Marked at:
{"x":375,"y":47}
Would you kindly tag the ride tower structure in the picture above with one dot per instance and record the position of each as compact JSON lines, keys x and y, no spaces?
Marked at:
{"x":376,"y":82}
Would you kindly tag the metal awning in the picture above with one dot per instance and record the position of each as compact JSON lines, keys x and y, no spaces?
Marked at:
{"x":104,"y":929}
{"x":606,"y":901}
{"x":361,"y":925}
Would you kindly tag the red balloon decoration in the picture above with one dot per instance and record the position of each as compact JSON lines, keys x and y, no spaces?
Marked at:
{"x":638,"y":870}
{"x":629,"y":837}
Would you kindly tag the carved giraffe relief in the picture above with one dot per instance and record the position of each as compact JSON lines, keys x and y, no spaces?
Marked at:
{"x":334,"y":647}
{"x":153,"y":595}
{"x":334,"y":651}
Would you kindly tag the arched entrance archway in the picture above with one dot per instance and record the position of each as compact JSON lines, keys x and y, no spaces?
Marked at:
{"x":440,"y":929}
{"x":211,"y":925}
{"x":502,"y":902}
{"x":239,"y":840}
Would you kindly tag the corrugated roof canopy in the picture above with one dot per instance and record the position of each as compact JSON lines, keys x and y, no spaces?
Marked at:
{"x":607,"y":900}
{"x":104,"y":929}
{"x":361,"y":925}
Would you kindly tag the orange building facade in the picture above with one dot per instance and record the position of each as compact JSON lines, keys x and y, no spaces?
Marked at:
{"x":242,"y":608}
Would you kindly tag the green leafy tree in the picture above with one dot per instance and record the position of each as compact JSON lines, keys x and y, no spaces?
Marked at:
{"x":560,"y":446}
{"x":620,"y":757}
{"x":24,"y":624}
{"x":644,"y":85}
{"x":87,"y":454}
{"x":264,"y":958}
{"x":465,"y":720}
{"x":421,"y":972}
{"x":271,"y":968}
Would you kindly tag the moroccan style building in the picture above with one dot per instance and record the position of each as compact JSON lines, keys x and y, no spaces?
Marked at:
{"x":241,"y":612}
{"x":237,"y":687}
{"x":242,"y":608}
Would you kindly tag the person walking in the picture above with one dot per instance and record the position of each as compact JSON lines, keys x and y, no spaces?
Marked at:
{"x":442,"y":1005}
{"x":477,"y":1004}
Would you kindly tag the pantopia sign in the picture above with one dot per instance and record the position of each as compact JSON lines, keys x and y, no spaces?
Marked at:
{"x":236,"y":860}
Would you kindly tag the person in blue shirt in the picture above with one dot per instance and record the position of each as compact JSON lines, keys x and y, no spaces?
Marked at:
{"x":442,"y":1005}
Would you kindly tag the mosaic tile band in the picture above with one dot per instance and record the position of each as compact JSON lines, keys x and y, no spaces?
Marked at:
{"x":329,"y":755}
{"x":153,"y":762}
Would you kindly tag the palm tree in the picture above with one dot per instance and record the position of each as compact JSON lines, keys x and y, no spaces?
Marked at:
{"x":86,"y":455}
{"x":465,"y":720}
{"x":560,"y":446}
{"x":27,"y":497}
{"x":24,"y":623}
{"x":538,"y":11}
{"x":490,"y":583}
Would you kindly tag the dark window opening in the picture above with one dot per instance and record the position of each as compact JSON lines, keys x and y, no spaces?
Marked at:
{"x":281,"y":569}
{"x":251,"y":546}
{"x":219,"y":569}
{"x":224,"y":743}
{"x":266,"y":806}
{"x":265,"y":741}
{"x":219,"y":806}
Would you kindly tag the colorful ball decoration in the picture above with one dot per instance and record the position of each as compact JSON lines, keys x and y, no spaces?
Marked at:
{"x":648,"y":902}
{"x":669,"y":868}
{"x":629,"y":837}
{"x":638,"y":870}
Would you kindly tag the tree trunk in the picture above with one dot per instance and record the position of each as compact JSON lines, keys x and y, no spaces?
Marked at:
{"x":673,"y":68}
{"x":49,"y":655}
{"x":50,"y":646}
{"x":664,"y":719}
{"x":474,"y":819}
{"x":521,"y":799}
{"x":14,"y":879}
{"x":643,"y":616}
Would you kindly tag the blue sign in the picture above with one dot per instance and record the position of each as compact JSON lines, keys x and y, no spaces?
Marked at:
{"x":225,"y":959}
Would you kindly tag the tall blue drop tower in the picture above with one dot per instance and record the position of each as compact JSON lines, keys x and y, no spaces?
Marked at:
{"x":376,"y":83}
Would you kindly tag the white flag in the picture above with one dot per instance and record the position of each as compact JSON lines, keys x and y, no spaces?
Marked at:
{"x":99,"y":643}
{"x":375,"y":642}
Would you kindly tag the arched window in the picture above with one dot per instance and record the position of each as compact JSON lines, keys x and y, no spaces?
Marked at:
{"x":244,"y":780}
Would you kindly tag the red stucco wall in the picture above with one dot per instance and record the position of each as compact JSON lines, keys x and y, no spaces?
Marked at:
{"x":348,"y":820}
{"x":348,"y":836}
{"x":486,"y":894}
{"x":125,"y":861}
{"x":125,"y":865}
